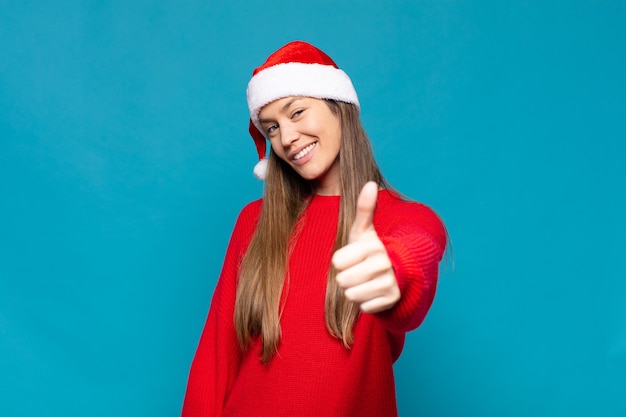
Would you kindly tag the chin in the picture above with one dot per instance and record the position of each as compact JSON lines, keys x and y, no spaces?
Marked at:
{"x":308,"y":174}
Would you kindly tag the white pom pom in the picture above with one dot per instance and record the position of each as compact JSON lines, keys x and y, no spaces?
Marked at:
{"x":260,"y":169}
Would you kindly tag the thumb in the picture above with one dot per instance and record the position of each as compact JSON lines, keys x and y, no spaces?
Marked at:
{"x":365,"y":206}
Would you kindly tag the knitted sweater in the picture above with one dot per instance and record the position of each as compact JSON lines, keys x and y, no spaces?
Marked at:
{"x":313,"y":374}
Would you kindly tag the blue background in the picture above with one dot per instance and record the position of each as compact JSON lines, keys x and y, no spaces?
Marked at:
{"x":125,"y":159}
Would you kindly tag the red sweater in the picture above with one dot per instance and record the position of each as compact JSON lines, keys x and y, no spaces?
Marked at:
{"x":313,"y":374}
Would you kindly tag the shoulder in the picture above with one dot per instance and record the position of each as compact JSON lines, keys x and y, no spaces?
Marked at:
{"x":248,"y":217}
{"x":400,"y":214}
{"x":252,"y":209}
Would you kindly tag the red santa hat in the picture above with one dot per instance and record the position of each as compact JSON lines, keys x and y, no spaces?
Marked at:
{"x":296,"y":69}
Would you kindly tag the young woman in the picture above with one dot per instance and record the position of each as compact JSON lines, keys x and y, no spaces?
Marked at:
{"x":322,"y":277}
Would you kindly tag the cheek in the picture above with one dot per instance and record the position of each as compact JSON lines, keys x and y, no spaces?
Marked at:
{"x":278,"y":149}
{"x":337,"y":138}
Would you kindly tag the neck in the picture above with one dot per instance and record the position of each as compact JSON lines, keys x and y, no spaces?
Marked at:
{"x":326,"y":189}
{"x":329,"y":183}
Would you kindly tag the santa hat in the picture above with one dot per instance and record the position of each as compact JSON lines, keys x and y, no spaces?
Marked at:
{"x":296,"y":69}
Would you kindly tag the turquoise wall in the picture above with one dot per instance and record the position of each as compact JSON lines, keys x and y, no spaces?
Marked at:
{"x":125,"y":158}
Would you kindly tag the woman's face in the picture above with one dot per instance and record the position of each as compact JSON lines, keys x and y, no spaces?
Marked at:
{"x":306,"y":134}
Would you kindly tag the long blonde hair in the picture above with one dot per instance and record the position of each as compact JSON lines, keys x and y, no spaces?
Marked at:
{"x":264,"y":266}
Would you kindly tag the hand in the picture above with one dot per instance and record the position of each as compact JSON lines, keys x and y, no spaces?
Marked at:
{"x":363,"y":267}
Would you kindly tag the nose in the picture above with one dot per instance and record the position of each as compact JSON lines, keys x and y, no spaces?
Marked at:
{"x":288,"y":134}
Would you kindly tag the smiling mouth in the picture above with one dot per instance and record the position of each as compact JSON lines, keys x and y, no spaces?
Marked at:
{"x":304,"y":151}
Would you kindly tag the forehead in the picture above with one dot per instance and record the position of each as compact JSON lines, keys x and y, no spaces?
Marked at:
{"x":282,"y":105}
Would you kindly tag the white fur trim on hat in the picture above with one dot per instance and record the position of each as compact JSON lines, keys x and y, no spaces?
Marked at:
{"x":260,"y":169}
{"x":298,"y":79}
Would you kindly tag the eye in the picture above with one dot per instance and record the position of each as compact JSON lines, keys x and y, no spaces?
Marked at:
{"x":297,"y":113}
{"x":271,"y":129}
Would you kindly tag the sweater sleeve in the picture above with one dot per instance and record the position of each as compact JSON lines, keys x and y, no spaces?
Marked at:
{"x":218,"y":355}
{"x":415,"y":240}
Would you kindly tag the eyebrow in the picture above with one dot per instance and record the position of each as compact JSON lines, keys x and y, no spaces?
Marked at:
{"x":282,"y":109}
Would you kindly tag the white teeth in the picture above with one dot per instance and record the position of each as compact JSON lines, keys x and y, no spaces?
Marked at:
{"x":304,"y":152}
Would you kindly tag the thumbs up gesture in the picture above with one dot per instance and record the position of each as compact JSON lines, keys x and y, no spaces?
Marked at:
{"x":363,"y":267}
